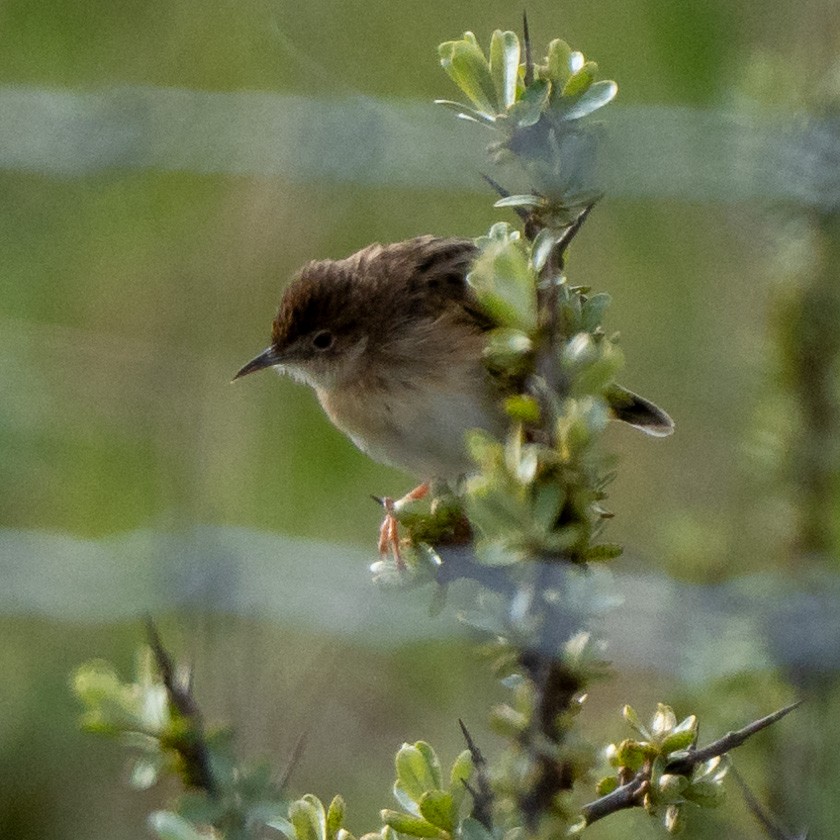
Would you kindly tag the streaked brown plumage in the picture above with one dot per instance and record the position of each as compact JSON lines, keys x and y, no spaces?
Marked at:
{"x":391,"y":339}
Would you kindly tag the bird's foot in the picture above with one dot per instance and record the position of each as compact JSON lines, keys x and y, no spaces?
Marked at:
{"x":389,"y":535}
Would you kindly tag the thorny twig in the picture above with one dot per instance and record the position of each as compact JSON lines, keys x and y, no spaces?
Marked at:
{"x":192,"y":746}
{"x":631,"y":794}
{"x":482,"y":795}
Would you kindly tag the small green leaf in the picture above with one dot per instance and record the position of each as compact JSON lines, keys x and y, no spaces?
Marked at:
{"x":505,"y":285}
{"x":508,"y":350}
{"x":409,"y":824}
{"x":596,"y":96}
{"x":629,"y":714}
{"x":603,"y":551}
{"x":674,"y":819}
{"x":522,"y":408}
{"x":415,"y":773}
{"x":524,"y":200}
{"x":677,"y":740}
{"x":631,"y":754}
{"x":580,"y":81}
{"x":467,"y":113}
{"x":663,"y":722}
{"x":283,"y":825}
{"x":472,"y":829}
{"x":671,"y":785}
{"x":144,"y":773}
{"x":308,"y":818}
{"x":543,"y":246}
{"x":557,"y":68}
{"x":705,"y":793}
{"x":462,"y":769}
{"x":528,"y":110}
{"x":606,"y":785}
{"x":335,"y":818}
{"x":548,"y":501}
{"x":437,"y":807}
{"x":592,"y":311}
{"x":467,"y":66}
{"x":169,"y":826}
{"x":504,"y":66}
{"x":432,"y":762}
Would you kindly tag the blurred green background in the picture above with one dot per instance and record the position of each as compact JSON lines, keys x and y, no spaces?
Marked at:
{"x":131,"y":294}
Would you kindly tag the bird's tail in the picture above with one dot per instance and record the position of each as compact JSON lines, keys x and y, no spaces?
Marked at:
{"x":639,"y":412}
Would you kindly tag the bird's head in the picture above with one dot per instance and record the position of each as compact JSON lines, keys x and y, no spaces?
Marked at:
{"x":321,"y":331}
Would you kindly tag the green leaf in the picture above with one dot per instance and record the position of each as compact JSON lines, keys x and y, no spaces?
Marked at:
{"x":596,"y":96}
{"x":558,"y":60}
{"x":548,"y":501}
{"x":543,"y":246}
{"x":522,"y":408}
{"x":674,"y":819}
{"x":472,"y":829}
{"x":335,"y":817}
{"x":169,"y":826}
{"x":592,"y":312}
{"x":437,"y":807}
{"x":467,"y":66}
{"x":432,"y":762}
{"x":629,"y":714}
{"x":462,"y":769}
{"x":504,"y":66}
{"x":603,"y":551}
{"x":145,"y":772}
{"x":664,"y":720}
{"x":505,"y":285}
{"x":606,"y":785}
{"x":524,"y":200}
{"x":671,"y":785}
{"x":528,"y":110}
{"x":308,"y":818}
{"x":580,"y":81}
{"x":282,"y":824}
{"x":677,"y":741}
{"x":467,"y":113}
{"x":631,"y":754}
{"x":409,"y":824}
{"x":705,"y":793}
{"x":415,"y":772}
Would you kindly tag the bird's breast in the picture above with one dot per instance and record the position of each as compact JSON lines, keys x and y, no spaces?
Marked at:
{"x":417,"y":424}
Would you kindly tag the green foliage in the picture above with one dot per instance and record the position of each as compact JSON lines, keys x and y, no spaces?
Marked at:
{"x":528,"y":522}
{"x":223,"y":797}
{"x":660,"y":744}
{"x":537,"y":111}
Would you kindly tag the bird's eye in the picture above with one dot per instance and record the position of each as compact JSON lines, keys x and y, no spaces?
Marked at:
{"x":323,"y":340}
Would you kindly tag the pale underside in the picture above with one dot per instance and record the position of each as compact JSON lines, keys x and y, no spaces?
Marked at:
{"x":417,"y":415}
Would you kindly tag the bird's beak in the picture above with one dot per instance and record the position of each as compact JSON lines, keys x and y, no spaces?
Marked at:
{"x":269,"y":357}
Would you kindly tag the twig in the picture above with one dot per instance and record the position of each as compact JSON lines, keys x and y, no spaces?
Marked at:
{"x":631,"y":793}
{"x":684,"y":765}
{"x":483,"y":794}
{"x":774,"y":829}
{"x":192,"y":747}
{"x":294,"y":760}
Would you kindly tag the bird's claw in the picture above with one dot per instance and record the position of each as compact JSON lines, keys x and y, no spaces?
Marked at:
{"x":389,"y":535}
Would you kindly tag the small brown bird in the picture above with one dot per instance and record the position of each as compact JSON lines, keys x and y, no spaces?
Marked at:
{"x":392,"y":340}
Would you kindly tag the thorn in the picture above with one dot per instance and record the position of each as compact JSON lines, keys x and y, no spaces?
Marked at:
{"x":520,"y":211}
{"x":380,"y":500}
{"x":495,"y":185}
{"x":526,"y":37}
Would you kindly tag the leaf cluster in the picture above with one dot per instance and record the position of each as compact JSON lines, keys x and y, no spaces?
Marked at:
{"x":537,"y":109}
